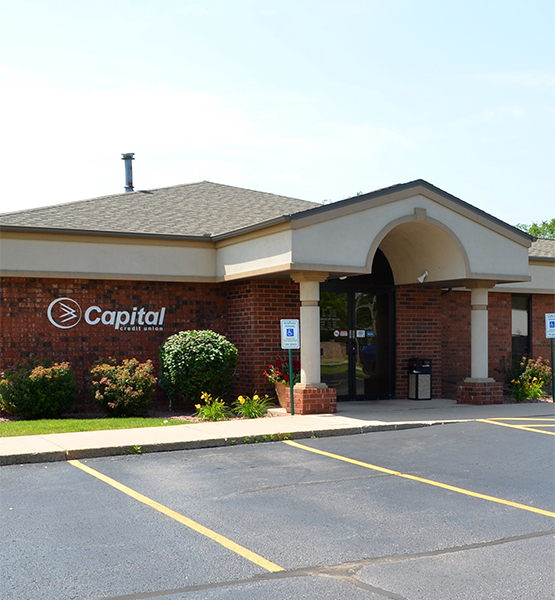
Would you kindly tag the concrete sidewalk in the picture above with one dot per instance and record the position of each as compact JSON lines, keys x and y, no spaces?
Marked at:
{"x":351,"y":418}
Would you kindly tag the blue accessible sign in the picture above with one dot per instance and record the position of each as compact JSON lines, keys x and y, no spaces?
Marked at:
{"x":550,"y":325}
{"x":290,"y":338}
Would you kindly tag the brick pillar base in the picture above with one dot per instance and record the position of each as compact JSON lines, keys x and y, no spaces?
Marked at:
{"x":312,"y":401}
{"x":480,"y":392}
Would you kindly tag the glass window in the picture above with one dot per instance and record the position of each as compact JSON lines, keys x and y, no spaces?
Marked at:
{"x":521,"y":324}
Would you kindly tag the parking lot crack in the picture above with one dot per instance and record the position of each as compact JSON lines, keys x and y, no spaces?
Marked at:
{"x":365,"y":586}
{"x":353,"y":567}
{"x":343,"y":571}
{"x":267,"y":488}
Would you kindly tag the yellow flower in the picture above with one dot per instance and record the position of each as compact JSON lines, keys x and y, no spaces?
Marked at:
{"x":197,"y":406}
{"x":241,"y":400}
{"x":256,"y":397}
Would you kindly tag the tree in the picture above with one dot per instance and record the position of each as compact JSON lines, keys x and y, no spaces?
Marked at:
{"x":545,"y":229}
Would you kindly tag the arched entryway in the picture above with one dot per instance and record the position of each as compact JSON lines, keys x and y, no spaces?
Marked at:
{"x":357,"y":333}
{"x":432,"y":243}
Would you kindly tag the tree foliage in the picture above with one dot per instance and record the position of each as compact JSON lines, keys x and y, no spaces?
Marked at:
{"x":545,"y":229}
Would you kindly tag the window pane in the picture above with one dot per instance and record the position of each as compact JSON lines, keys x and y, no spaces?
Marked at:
{"x":520,"y":320}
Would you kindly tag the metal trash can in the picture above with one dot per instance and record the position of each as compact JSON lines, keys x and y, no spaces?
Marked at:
{"x":420,"y":379}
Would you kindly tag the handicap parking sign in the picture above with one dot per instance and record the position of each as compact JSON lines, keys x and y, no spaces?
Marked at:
{"x":290,"y":334}
{"x":550,"y":325}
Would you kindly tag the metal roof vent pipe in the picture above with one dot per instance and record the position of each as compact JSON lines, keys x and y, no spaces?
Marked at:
{"x":128,"y":171}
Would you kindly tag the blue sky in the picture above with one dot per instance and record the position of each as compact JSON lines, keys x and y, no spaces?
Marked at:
{"x":311,"y":99}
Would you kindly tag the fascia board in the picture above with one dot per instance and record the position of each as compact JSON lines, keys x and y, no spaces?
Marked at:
{"x":101,"y":233}
{"x":108,"y":276}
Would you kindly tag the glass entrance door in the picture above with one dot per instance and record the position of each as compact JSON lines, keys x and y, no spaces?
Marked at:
{"x":334,"y":341}
{"x":355,"y":342}
{"x":371,"y":347}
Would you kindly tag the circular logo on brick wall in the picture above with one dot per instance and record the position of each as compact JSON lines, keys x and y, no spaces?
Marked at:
{"x":64,"y":313}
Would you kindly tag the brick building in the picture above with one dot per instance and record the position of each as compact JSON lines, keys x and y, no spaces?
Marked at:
{"x":376,"y":280}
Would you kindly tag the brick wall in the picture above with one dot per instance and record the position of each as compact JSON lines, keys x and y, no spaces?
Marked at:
{"x":26,"y":330}
{"x":455,"y":339}
{"x":254,"y":312}
{"x":418,"y":322}
{"x":247,"y":312}
{"x":541,"y":305}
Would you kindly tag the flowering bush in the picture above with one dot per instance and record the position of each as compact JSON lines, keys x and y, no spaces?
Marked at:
{"x":197,"y":361}
{"x":35,"y":389}
{"x":124,"y":390}
{"x":252,"y":408}
{"x":279,"y":372}
{"x":213,"y":409}
{"x":524,"y":388}
{"x":534,"y":375}
{"x":539,"y":368}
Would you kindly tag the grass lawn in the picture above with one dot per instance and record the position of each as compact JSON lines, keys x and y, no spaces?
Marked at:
{"x":44,"y":426}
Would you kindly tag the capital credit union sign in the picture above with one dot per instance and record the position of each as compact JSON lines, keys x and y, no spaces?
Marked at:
{"x":66,"y":313}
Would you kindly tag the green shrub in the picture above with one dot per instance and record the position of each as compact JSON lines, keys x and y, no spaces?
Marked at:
{"x":510,"y":369}
{"x":213,"y":409}
{"x":252,"y":408}
{"x":193,"y":362}
{"x":124,"y":390}
{"x":35,"y":389}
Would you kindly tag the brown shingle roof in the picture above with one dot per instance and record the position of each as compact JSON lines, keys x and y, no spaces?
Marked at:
{"x":542,"y":249}
{"x":194,"y":209}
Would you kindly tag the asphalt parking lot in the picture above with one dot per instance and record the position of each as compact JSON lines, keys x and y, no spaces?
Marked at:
{"x":457,"y":511}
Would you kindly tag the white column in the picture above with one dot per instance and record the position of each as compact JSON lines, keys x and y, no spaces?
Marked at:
{"x":309,"y":287}
{"x":479,"y":338}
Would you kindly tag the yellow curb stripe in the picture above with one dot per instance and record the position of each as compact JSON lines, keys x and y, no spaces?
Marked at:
{"x":220,"y":539}
{"x":445,"y":486}
{"x":523,"y":427}
{"x":550,"y":419}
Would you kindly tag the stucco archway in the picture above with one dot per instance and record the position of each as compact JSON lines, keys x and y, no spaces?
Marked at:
{"x":414,"y":246}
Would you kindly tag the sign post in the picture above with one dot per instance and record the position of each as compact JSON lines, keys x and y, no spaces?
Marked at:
{"x":290,"y":340}
{"x":550,"y":334}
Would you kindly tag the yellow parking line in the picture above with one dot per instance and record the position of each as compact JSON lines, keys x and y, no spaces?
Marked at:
{"x":523,"y":427}
{"x":538,"y":425}
{"x":225,"y":542}
{"x":552,"y":419}
{"x":422,"y":480}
